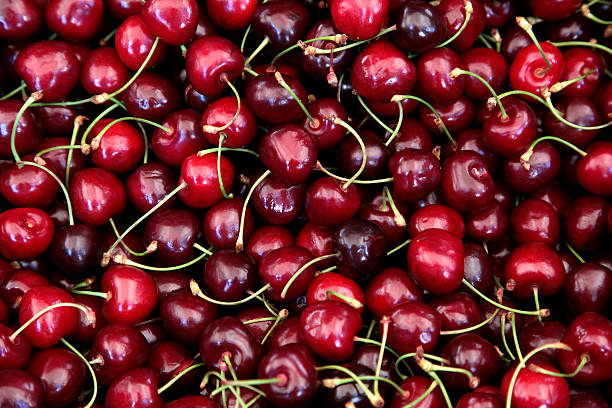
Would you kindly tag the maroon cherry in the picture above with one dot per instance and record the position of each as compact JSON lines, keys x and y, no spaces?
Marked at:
{"x":175,"y":22}
{"x":271,"y":102}
{"x":28,"y":134}
{"x":14,"y":353}
{"x":466,"y":182}
{"x":393,"y":228}
{"x":151,"y":96}
{"x":136,"y":388}
{"x":414,"y":387}
{"x":19,"y":20}
{"x":585,"y":222}
{"x":20,"y":389}
{"x":588,"y":288}
{"x":90,"y":323}
{"x":477,"y":267}
{"x":76,"y":250}
{"x":413,"y":324}
{"x":27,"y":186}
{"x":288,"y":331}
{"x":419,"y":26}
{"x":593,"y":170}
{"x":553,"y":10}
{"x":103,"y":71}
{"x":122,"y":9}
{"x":56,"y":120}
{"x":578,"y":62}
{"x":578,"y":110}
{"x":412,"y":135}
{"x":457,"y":310}
{"x":534,"y":221}
{"x":184,"y":139}
{"x":544,"y":166}
{"x":175,"y":232}
{"x":456,"y":117}
{"x":218,"y":114}
{"x":454,"y":14}
{"x":96,"y":195}
{"x":268,"y":238}
{"x":231,"y":15}
{"x":25,"y":233}
{"x":490,"y":65}
{"x":228,"y":275}
{"x":185,"y":316}
{"x":538,"y":333}
{"x":350,"y":156}
{"x":170,"y":358}
{"x":134,"y":41}
{"x":56,"y":159}
{"x":508,"y":134}
{"x":283,"y":22}
{"x":148,"y":185}
{"x":74,"y":20}
{"x":436,"y":216}
{"x":16,"y":284}
{"x":251,"y":318}
{"x":279,"y":266}
{"x":361,"y":246}
{"x":329,"y":204}
{"x":488,"y":223}
{"x":435,"y":80}
{"x":415,"y":174}
{"x":389,"y":288}
{"x":530,"y":72}
{"x":359,"y":20}
{"x":200,"y":175}
{"x":278,"y":202}
{"x":318,"y":240}
{"x":120,"y":147}
{"x":324,"y":131}
{"x":325,"y":67}
{"x":325,"y":286}
{"x":222,"y":223}
{"x":554,"y":194}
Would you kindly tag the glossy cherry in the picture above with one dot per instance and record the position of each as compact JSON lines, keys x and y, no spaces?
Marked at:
{"x":25,"y":233}
{"x":320,"y":65}
{"x":120,"y":148}
{"x":222,"y":223}
{"x":103,"y":71}
{"x":222,"y":111}
{"x":544,"y":166}
{"x":175,"y":232}
{"x":393,"y":230}
{"x":434,"y":78}
{"x":284,"y":22}
{"x":15,"y":353}
{"x":151,"y":96}
{"x":184,"y":139}
{"x":534,"y":220}
{"x":490,"y":65}
{"x":588,"y":288}
{"x":585,"y":222}
{"x":466,"y":182}
{"x":277,"y":202}
{"x":76,"y":250}
{"x":436,"y":216}
{"x":594,"y":170}
{"x":280,"y":265}
{"x":133,"y":42}
{"x":96,"y":195}
{"x":228,"y":275}
{"x":19,"y":19}
{"x":20,"y":389}
{"x":389,"y":288}
{"x":27,"y":186}
{"x":359,"y":20}
{"x":268,"y":238}
{"x":362,"y":247}
{"x":457,"y":310}
{"x":175,"y":22}
{"x":553,"y":10}
{"x":454,"y":14}
{"x":149,"y":184}
{"x":137,"y":387}
{"x":272,"y":103}
{"x":74,"y":20}
{"x":185,"y":316}
{"x":415,"y":174}
{"x":414,"y":387}
{"x":413,"y":324}
{"x":170,"y":358}
{"x":231,"y":15}
{"x":329,"y":204}
{"x":202,"y":179}
{"x":509,"y":135}
{"x":28,"y":134}
{"x":578,"y":110}
{"x":419,"y":26}
{"x":529,"y":72}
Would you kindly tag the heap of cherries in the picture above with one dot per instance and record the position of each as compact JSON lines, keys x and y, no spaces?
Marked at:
{"x":283,"y":203}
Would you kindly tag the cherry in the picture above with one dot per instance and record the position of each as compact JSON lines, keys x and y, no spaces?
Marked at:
{"x":277,"y":202}
{"x":318,"y":240}
{"x":584,"y":222}
{"x":413,"y":324}
{"x":268,"y":238}
{"x":381,"y":71}
{"x":28,"y":134}
{"x":490,"y":65}
{"x":498,"y":12}
{"x":96,"y":195}
{"x":205,"y":26}
{"x":175,"y":22}
{"x":90,"y":323}
{"x":366,"y":355}
{"x":27,"y":186}
{"x":134,"y":41}
{"x":200,"y":175}
{"x":359,"y":20}
{"x":231,"y":15}
{"x":74,"y":20}
{"x":227,"y":341}
{"x":544,"y":166}
{"x":49,"y":66}
{"x":509,"y":133}
{"x":415,"y":174}
{"x":513,"y":41}
{"x":271,"y":102}
{"x":434,"y":77}
{"x":324,"y":131}
{"x":413,"y":388}
{"x":211,"y":62}
{"x":20,"y":389}
{"x":556,"y":195}
{"x":538,"y":333}
{"x":456,"y":117}
{"x":185,"y":138}
{"x":329,"y":204}
{"x":436,"y":216}
{"x":534,"y":266}
{"x":185,"y":316}
{"x":529,"y":71}
{"x":283,"y":22}
{"x":56,"y":159}
{"x":228,"y":275}
{"x":175,"y":232}
{"x":122,"y":9}
{"x":170,"y":358}
{"x":588,"y":288}
{"x":593,"y":170}
{"x":148,"y":185}
{"x":252,"y":319}
{"x":412,"y":135}
{"x":279,"y":266}
{"x":534,"y":220}
{"x":389,"y":288}
{"x":294,"y":368}
{"x":223,"y":111}
{"x":14,"y":353}
{"x":327,"y":285}
{"x":466,"y":182}
{"x":56,"y":120}
{"x":288,"y":331}
{"x":454,"y":14}
{"x":578,"y":110}
{"x":322,"y":65}
{"x":76,"y":250}
{"x":137,"y":387}
{"x":419,"y":26}
{"x":457,"y":311}
{"x":328,"y":329}
{"x":553,"y":10}
{"x":120,"y":148}
{"x":103,"y":71}
{"x":361,"y":245}
{"x":194,"y":401}
{"x":25,"y":233}
{"x":168,"y":282}
{"x":151,"y":96}
{"x":19,"y":20}
{"x":222,"y":223}
{"x":247,"y":396}
{"x":573,"y":28}
{"x":393,"y":227}
{"x":350,"y":155}
{"x":578,"y":62}
{"x":61,"y":373}
{"x":15,"y":285}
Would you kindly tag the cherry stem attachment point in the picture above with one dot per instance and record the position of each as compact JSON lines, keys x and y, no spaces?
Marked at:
{"x":178,"y":377}
{"x":537,"y":369}
{"x":330,"y":294}
{"x":524,"y":159}
{"x":528,"y":28}
{"x":281,"y":81}
{"x":399,"y":219}
{"x":282,"y":315}
{"x":458,"y":71}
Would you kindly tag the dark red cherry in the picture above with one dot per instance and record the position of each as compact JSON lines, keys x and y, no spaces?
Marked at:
{"x":436,"y":216}
{"x":435,"y":80}
{"x":413,"y":324}
{"x":329,"y":327}
{"x":175,"y":232}
{"x":381,"y":71}
{"x":259,"y":329}
{"x":319,"y":65}
{"x":222,"y":223}
{"x":415,"y":174}
{"x":76,"y":250}
{"x":268,"y":238}
{"x":90,"y":323}
{"x":49,"y":66}
{"x":284,"y":22}
{"x":280,"y":265}
{"x":454,"y":14}
{"x":28,"y":134}
{"x":556,"y":195}
{"x":210,"y":61}
{"x":56,"y":159}
{"x":553,"y":10}
{"x":202,"y":179}
{"x":15,"y":353}
{"x":514,"y":39}
{"x":393,"y":230}
{"x":168,"y":282}
{"x":74,"y":20}
{"x":544,"y":166}
{"x":222,"y":111}
{"x":329,"y":204}
{"x":174,"y":21}
{"x":579,"y":61}
{"x":414,"y":387}
{"x":477,"y":267}
{"x":358,"y":19}
{"x":573,"y":28}
{"x":537,"y":334}
{"x":490,"y":65}
{"x":133,"y":42}
{"x":350,"y":156}
{"x":136,"y":388}
{"x":389,"y":288}
{"x":25,"y":233}
{"x":272,"y":103}
{"x":456,"y":117}
{"x":278,"y":202}
{"x":362,"y":247}
{"x":594,"y":170}
{"x":509,"y":135}
{"x":319,"y":288}
{"x":103,"y":71}
{"x":122,"y":9}
{"x":19,"y":20}
{"x":473,"y":353}
{"x":96,"y":195}
{"x":318,"y":240}
{"x":16,"y":284}
{"x":457,"y":310}
{"x":466,"y":182}
{"x":185,"y":316}
{"x":231,"y":15}
{"x":151,"y":96}
{"x":227,"y":336}
{"x":228,"y":275}
{"x":288,"y":331}
{"x":56,"y":120}
{"x":149,"y":184}
{"x":170,"y":358}
{"x":578,"y":110}
{"x":528,"y":71}
{"x":534,"y":220}
{"x":588,"y":288}
{"x":419,"y":26}
{"x":184,"y":139}
{"x":21,"y":389}
{"x":120,"y":148}
{"x":27,"y":186}
{"x":584,"y":222}
{"x":498,"y":12}
{"x":412,"y":135}
{"x":590,"y":399}
{"x":488,"y":223}
{"x":324,"y":131}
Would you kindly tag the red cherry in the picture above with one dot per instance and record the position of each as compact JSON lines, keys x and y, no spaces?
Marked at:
{"x":103,"y":71}
{"x":133,"y":42}
{"x":174,"y":21}
{"x":584,"y":222}
{"x":122,"y":9}
{"x":578,"y":62}
{"x":27,"y":186}
{"x":20,"y":389}
{"x":457,"y":310}
{"x":529,"y":72}
{"x":358,"y":19}
{"x":136,"y":388}
{"x":15,"y":353}
{"x":15,"y":285}
{"x":538,"y":333}
{"x":435,"y":80}
{"x":222,"y":223}
{"x":389,"y":288}
{"x":466,"y":182}
{"x":414,"y":387}
{"x":419,"y":26}
{"x":19,"y":20}
{"x":509,"y":135}
{"x":588,"y":288}
{"x":228,"y":275}
{"x":268,"y":238}
{"x":436,"y":216}
{"x":185,"y":316}
{"x":148,"y":185}
{"x":361,"y":246}
{"x":545,"y":164}
{"x":319,"y":288}
{"x":488,"y":223}
{"x":279,"y":266}
{"x":74,"y":20}
{"x":231,"y":15}
{"x":28,"y":134}
{"x":175,"y":232}
{"x":553,"y":10}
{"x":490,"y":65}
{"x":284,"y":22}
{"x":324,"y":131}
{"x":96,"y":195}
{"x":454,"y":14}
{"x":394,"y":230}
{"x":277,"y":202}
{"x":534,"y":221}
{"x":120,"y":148}
{"x":151,"y":96}
{"x":200,"y":175}
{"x":413,"y":324}
{"x":272,"y":103}
{"x":222,"y":111}
{"x":321,"y":65}
{"x":594,"y":171}
{"x":184,"y":139}
{"x":415,"y":174}
{"x":25,"y":233}
{"x":578,"y":110}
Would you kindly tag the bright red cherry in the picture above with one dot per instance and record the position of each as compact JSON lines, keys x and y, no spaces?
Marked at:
{"x":221,"y":225}
{"x":27,"y":186}
{"x":454,"y":14}
{"x":389,"y":288}
{"x":553,"y":10}
{"x":228,"y":275}
{"x":414,"y":387}
{"x":490,"y":65}
{"x":358,"y":19}
{"x":268,"y":238}
{"x":466,"y":182}
{"x":120,"y":148}
{"x":594,"y":171}
{"x":436,"y":216}
{"x":415,"y":174}
{"x":578,"y":62}
{"x":529,"y":72}
{"x":19,"y":388}
{"x":185,"y":316}
{"x":184,"y":139}
{"x":508,"y":135}
{"x":242,"y":129}
{"x":200,"y":175}
{"x":25,"y":233}
{"x":434,"y":76}
{"x":231,"y":15}
{"x":19,"y":20}
{"x":75,"y":20}
{"x":174,"y":21}
{"x":96,"y":195}
{"x":136,"y":388}
{"x":133,"y":42}
{"x":103,"y":71}
{"x":534,"y":220}
{"x":329,"y":204}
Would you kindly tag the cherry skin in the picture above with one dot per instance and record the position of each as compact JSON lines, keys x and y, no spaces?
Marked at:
{"x":175,"y":232}
{"x":96,"y":195}
{"x":412,"y":135}
{"x":288,"y":331}
{"x":133,"y":42}
{"x":20,"y":389}
{"x":222,"y":223}
{"x":185,"y":138}
{"x":271,"y":103}
{"x":228,"y":275}
{"x":456,"y":117}
{"x":90,"y":323}
{"x":411,"y":325}
{"x":103,"y":71}
{"x":434,"y":78}
{"x":553,"y":10}
{"x":527,"y":71}
{"x":194,"y":401}
{"x":509,"y":135}
{"x":592,"y":399}
{"x":328,"y":204}
{"x":210,"y":61}
{"x":231,"y":15}
{"x":457,"y":310}
{"x":25,"y":233}
{"x":414,"y":387}
{"x":538,"y":333}
{"x":151,"y":96}
{"x":27,"y":186}
{"x":15,"y":285}
{"x":49,"y":66}
{"x":477,"y":267}
{"x":202,"y":179}
{"x":284,"y":22}
{"x":28,"y":134}
{"x":277,"y":202}
{"x":362,"y":247}
{"x":319,"y":65}
{"x":16,"y":353}
{"x":419,"y":26}
{"x":466,"y":182}
{"x":490,"y":65}
{"x":350,"y":156}
{"x":76,"y":250}
{"x":268,"y":238}
{"x":584,"y":222}
{"x":381,"y":71}
{"x":227,"y":336}
{"x":62,"y":374}
{"x":19,"y":20}
{"x":578,"y":110}
{"x":294,"y":367}
{"x":579,"y":61}
{"x":331,"y":281}
{"x":48,"y":329}
{"x":436,"y":216}
{"x":359,"y":20}
{"x":593,"y":170}
{"x":454,"y":14}
{"x":544,"y":166}
{"x":185,"y":316}
{"x":534,"y":220}
{"x":324,"y":131}
{"x":415,"y":174}
{"x":120,"y":148}
{"x":588,"y":288}
{"x":242,"y":130}
{"x":278,"y":266}
{"x":329,"y":327}
{"x":148,"y":185}
{"x":488,"y":223}
{"x":174,"y":22}
{"x":56,"y":120}
{"x":389,"y":288}
{"x":122,"y":9}
{"x":318,"y":240}
{"x":556,"y":195}
{"x":137,"y":388}
{"x":75,"y":20}
{"x":374,"y":211}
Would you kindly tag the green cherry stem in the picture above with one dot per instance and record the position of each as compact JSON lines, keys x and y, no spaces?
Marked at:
{"x":178,"y":377}
{"x":528,"y":28}
{"x":98,"y":118}
{"x":484,"y":40}
{"x":517,"y":346}
{"x":123,"y":260}
{"x":353,"y":132}
{"x":424,"y":395}
{"x":320,"y":167}
{"x":250,"y":71}
{"x":541,"y":312}
{"x":557,"y":115}
{"x":471,"y":328}
{"x":314,"y":50}
{"x":152,"y":247}
{"x":95,"y":142}
{"x":35,"y":96}
{"x":574,"y":252}
{"x":537,"y":369}
{"x":279,"y":78}
{"x":469,"y":9}
{"x":303,"y":268}
{"x":330,"y":294}
{"x":339,"y":91}
{"x":221,"y":187}
{"x":240,"y":239}
{"x":400,"y":246}
{"x":373,"y":115}
{"x":335,"y":382}
{"x":583,"y":44}
{"x":337,"y":38}
{"x":439,"y":121}
{"x":458,"y":71}
{"x":397,"y":216}
{"x":14,"y":91}
{"x":107,"y":38}
{"x":502,"y":320}
{"x":32,"y":319}
{"x":260,"y":47}
{"x":376,"y":400}
{"x":586,"y":12}
{"x":524,"y":159}
{"x":282,"y":315}
{"x":260,"y":320}
{"x":196,"y":291}
{"x":400,"y":119}
{"x":384,"y":321}
{"x":559,"y":86}
{"x":94,"y":394}
{"x":226,"y":149}
{"x":216,"y":129}
{"x":78,"y":122}
{"x":437,"y":379}
{"x":526,"y":93}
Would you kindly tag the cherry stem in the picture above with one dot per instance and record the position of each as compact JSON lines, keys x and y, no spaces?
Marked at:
{"x":78,"y":122}
{"x":300,"y":44}
{"x":228,"y":385}
{"x":303,"y":268}
{"x":373,"y":115}
{"x":260,"y":320}
{"x":536,"y":299}
{"x":107,"y":38}
{"x":98,"y":118}
{"x":469,"y":9}
{"x":541,"y":370}
{"x":32,"y":319}
{"x":339,"y":91}
{"x":59,"y":182}
{"x":385,"y":332}
{"x":400,"y":119}
{"x":103,"y":97}
{"x":244,"y":38}
{"x":102,"y":295}
{"x":279,"y":78}
{"x":123,"y":260}
{"x":336,"y":382}
{"x":250,"y":71}
{"x":397,"y":216}
{"x":226,"y":149}
{"x":429,"y":367}
{"x":526,"y":93}
{"x":56,"y":148}
{"x":178,"y":376}
{"x":583,"y":44}
{"x":240,"y":239}
{"x":313,"y":50}
{"x":559,"y":86}
{"x":375,"y":400}
{"x":586,"y":12}
{"x":521,"y":365}
{"x":14,"y":91}
{"x":108,"y":254}
{"x":424,"y":395}
{"x":458,"y":71}
{"x":483,"y":38}
{"x":331,"y":268}
{"x":260,"y":47}
{"x":196,"y":291}
{"x":147,"y":251}
{"x":227,"y":196}
{"x":540,"y":312}
{"x":94,"y":394}
{"x":383,"y":196}
{"x":517,"y":346}
{"x":557,"y":115}
{"x":502,"y":321}
{"x":352,"y":131}
{"x":228,"y":364}
{"x":95,"y":142}
{"x":524,"y":159}
{"x":351,"y":301}
{"x":31,"y":99}
{"x":400,"y":246}
{"x":320,"y":167}
{"x":282,"y":315}
{"x":528,"y":28}
{"x":439,"y":121}
{"x":85,"y":283}
{"x":254,"y":382}
{"x":574,"y":252}
{"x":471,"y":328}
{"x":215,"y":129}
{"x":437,"y":379}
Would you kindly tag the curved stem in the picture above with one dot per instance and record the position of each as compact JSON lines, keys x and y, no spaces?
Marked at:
{"x":221,"y":187}
{"x":352,"y":45}
{"x":123,"y":244}
{"x":467,"y":5}
{"x":98,"y":118}
{"x":524,"y":159}
{"x":78,"y":122}
{"x":458,"y":71}
{"x":196,"y":291}
{"x":502,"y":321}
{"x":375,"y":400}
{"x":279,"y":78}
{"x":260,"y":320}
{"x":385,"y":320}
{"x":471,"y":328}
{"x":364,"y":153}
{"x":424,"y":395}
{"x":574,"y":252}
{"x":94,"y":394}
{"x":31,"y":99}
{"x":517,"y":346}
{"x":528,"y":28}
{"x":557,"y":115}
{"x":537,"y":369}
{"x":559,"y":86}
{"x":240,"y":239}
{"x":95,"y":143}
{"x":400,"y":246}
{"x":526,"y":93}
{"x":351,"y":301}
{"x":250,"y":71}
{"x":373,"y":115}
{"x":107,"y":38}
{"x":55,"y":148}
{"x":330,"y":174}
{"x":336,"y":382}
{"x":215,"y":129}
{"x":89,"y":293}
{"x":178,"y":376}
{"x":397,"y":216}
{"x":439,"y":123}
{"x":542,"y":312}
{"x":301,"y":44}
{"x":244,"y":38}
{"x":584,"y":9}
{"x":302,"y":269}
{"x":32,"y":319}
{"x":437,"y":379}
{"x":582,"y":44}
{"x":226,"y":149}
{"x":126,"y":261}
{"x":14,"y":91}
{"x":400,"y":119}
{"x":339,"y":92}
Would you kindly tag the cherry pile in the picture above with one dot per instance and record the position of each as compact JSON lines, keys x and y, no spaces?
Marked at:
{"x":283,"y":203}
